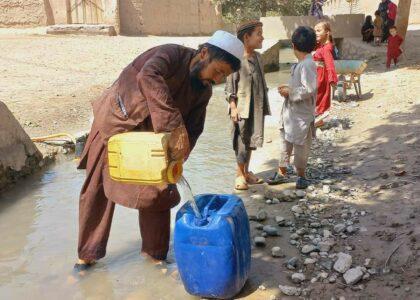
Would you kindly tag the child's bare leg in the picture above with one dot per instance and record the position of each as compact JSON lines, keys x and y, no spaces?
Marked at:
{"x":301,"y":161}
{"x":240,"y":170}
{"x":248,"y":160}
{"x":286,"y":149}
{"x":301,"y":172}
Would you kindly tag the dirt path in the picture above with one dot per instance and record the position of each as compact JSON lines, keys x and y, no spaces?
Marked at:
{"x":49,"y":81}
{"x":377,"y":138}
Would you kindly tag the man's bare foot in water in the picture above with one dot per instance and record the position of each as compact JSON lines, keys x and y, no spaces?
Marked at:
{"x":165,"y":266}
{"x":153,"y":260}
{"x":79,"y":270}
{"x":82,"y":266}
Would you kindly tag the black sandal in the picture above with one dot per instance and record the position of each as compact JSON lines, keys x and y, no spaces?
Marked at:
{"x":277,"y":179}
{"x":78,"y":268}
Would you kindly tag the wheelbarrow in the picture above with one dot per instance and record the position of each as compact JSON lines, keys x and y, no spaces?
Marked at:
{"x":349,"y":73}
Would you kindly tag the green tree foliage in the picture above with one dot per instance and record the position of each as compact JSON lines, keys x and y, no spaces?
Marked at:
{"x":236,"y":11}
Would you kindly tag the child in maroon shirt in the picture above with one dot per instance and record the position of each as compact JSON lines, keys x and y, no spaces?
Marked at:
{"x":394,"y":46}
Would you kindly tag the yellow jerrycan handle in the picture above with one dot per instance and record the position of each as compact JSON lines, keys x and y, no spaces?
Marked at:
{"x":174,"y":171}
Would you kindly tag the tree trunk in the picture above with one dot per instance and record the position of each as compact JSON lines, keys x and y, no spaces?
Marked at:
{"x":263,"y":8}
{"x":403,"y":17}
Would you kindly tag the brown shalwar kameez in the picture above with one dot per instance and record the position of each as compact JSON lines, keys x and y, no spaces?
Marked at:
{"x":153,"y":93}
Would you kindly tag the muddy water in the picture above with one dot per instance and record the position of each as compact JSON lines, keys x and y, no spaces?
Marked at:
{"x":38,"y":226}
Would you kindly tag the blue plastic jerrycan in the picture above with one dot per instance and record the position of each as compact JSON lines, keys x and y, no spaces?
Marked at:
{"x":213,"y":253}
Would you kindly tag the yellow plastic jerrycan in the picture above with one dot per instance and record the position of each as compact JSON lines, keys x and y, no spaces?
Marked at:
{"x":142,"y":158}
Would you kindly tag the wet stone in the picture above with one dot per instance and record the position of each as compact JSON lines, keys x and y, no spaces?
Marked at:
{"x":353,"y":276}
{"x":297,"y":209}
{"x":326,"y":189}
{"x":306,"y":249}
{"x":300,"y":193}
{"x":339,"y":228}
{"x":366,"y":276}
{"x":292,"y":263}
{"x":326,"y":264}
{"x":324,"y":246}
{"x":309,"y":261}
{"x":271,"y":230}
{"x":262,"y":215}
{"x":351,"y":229}
{"x":252,"y":217}
{"x":301,"y":231}
{"x":259,"y":241}
{"x":257,"y":197}
{"x":298,"y":277}
{"x":259,"y":226}
{"x":277,"y":252}
{"x":343,"y":263}
{"x":294,"y":236}
{"x":280,"y":220}
{"x":315,"y":225}
{"x":290,"y":290}
{"x":327,"y":233}
{"x":325,"y":222}
{"x":372,"y":271}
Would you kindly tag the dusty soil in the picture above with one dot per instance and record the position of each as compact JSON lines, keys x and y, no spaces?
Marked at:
{"x":48,"y":82}
{"x":381,"y":147}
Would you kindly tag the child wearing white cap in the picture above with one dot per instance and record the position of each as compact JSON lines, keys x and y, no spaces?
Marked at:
{"x":246,"y":92}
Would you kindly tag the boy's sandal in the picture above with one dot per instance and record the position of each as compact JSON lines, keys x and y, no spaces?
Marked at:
{"x":240,"y":184}
{"x":79,"y":269}
{"x":253,"y":179}
{"x":277,"y":179}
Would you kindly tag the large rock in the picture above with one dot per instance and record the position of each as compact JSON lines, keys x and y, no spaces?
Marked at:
{"x":353,"y":275}
{"x":85,"y":29}
{"x":298,"y":277}
{"x":306,"y":249}
{"x":19,"y":156}
{"x":271,"y":230}
{"x":343,"y":263}
{"x":282,"y":192}
{"x":290,"y":290}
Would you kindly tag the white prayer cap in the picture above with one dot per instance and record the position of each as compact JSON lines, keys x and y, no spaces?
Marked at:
{"x":228,"y":42}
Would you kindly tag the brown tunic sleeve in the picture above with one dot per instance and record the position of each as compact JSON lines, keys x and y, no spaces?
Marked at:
{"x":151,"y":81}
{"x":231,"y":87}
{"x":196,"y":118}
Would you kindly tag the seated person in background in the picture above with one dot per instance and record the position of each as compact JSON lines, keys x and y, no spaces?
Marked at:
{"x":367,"y":30}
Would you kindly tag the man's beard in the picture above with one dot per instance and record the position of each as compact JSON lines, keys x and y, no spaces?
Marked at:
{"x":196,"y":82}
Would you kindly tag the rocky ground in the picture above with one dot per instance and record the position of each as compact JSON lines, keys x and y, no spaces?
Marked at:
{"x":354,"y":234}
